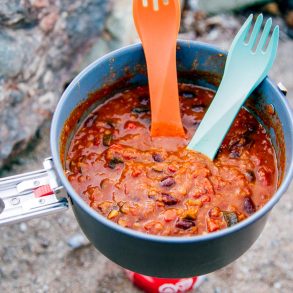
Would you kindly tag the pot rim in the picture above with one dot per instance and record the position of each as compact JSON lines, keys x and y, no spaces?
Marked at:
{"x":54,"y":143}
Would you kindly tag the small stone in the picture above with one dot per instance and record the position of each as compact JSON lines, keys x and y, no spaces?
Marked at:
{"x":277,"y":285}
{"x":77,"y":241}
{"x":23,"y":227}
{"x":40,"y":3}
{"x":48,"y":22}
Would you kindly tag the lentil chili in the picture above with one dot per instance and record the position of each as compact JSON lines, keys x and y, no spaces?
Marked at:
{"x":157,"y":186}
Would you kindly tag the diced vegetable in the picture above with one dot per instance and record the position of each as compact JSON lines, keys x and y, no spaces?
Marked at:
{"x":249,"y":206}
{"x":113,"y":162}
{"x":212,"y":225}
{"x":230,"y":218}
{"x":113,"y":214}
{"x":170,"y":215}
{"x":190,"y":213}
{"x":139,"y":110}
{"x":107,"y":138}
{"x":214,"y":212}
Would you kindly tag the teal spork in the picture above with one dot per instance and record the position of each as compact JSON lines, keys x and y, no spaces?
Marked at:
{"x":245,"y":69}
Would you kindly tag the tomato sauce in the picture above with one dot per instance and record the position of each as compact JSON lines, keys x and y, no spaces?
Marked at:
{"x":156,"y":185}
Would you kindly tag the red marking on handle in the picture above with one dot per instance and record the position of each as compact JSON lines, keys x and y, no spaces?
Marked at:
{"x":43,"y":190}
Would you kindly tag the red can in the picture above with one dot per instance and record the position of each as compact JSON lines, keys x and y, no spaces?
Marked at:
{"x":159,"y":285}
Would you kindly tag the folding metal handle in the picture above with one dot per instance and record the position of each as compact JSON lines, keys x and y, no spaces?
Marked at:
{"x":31,"y":195}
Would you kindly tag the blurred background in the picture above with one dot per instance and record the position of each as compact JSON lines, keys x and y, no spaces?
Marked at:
{"x":43,"y":45}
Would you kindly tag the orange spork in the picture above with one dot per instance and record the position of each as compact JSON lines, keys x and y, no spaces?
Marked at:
{"x":157,"y":23}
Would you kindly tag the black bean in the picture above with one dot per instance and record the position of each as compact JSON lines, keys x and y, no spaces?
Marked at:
{"x":188,"y":95}
{"x":169,"y":199}
{"x":139,"y":110}
{"x":167,"y":182}
{"x":250,"y":176}
{"x":230,"y":218}
{"x":107,"y":138}
{"x":158,"y":158}
{"x":248,"y":205}
{"x":184,"y":224}
{"x":113,"y":162}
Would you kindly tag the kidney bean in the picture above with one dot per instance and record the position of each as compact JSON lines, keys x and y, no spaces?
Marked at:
{"x":158,"y":158}
{"x":167,"y":182}
{"x":248,"y":205}
{"x":169,"y":199}
{"x":249,"y":174}
{"x":110,"y":123}
{"x":230,"y":218}
{"x":184,"y":224}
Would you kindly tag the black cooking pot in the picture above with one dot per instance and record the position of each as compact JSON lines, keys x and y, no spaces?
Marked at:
{"x":158,"y":255}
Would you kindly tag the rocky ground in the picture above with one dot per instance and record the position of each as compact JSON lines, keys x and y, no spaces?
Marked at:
{"x":51,"y":254}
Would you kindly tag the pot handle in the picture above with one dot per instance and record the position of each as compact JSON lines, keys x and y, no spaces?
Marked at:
{"x":31,"y":195}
